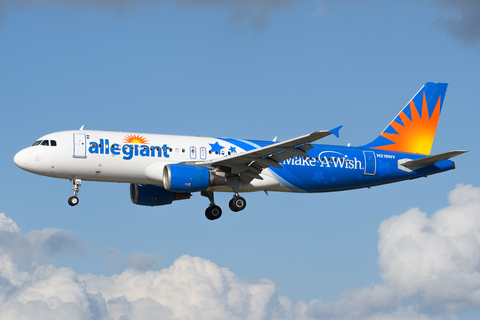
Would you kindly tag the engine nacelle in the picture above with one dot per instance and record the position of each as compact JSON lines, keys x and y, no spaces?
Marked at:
{"x":150,"y":195}
{"x":185,"y":178}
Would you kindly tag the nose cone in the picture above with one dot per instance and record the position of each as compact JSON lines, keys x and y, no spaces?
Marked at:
{"x":20,"y":159}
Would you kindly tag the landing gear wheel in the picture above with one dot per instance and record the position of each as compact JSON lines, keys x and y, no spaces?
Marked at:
{"x":73,"y":201}
{"x":237,"y":204}
{"x":213,"y":212}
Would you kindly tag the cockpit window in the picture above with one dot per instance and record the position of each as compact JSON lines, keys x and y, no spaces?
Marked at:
{"x":52,"y":143}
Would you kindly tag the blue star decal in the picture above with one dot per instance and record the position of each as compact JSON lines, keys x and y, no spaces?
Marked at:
{"x":232,"y":149}
{"x":333,"y":179}
{"x":318,"y":176}
{"x":383,"y":168}
{"x":216,"y":147}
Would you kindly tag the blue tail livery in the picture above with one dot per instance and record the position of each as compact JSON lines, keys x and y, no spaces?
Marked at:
{"x":165,"y":168}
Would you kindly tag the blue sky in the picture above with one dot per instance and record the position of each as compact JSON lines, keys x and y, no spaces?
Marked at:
{"x":236,"y":69}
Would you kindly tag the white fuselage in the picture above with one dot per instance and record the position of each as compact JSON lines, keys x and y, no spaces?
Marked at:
{"x":127,"y":157}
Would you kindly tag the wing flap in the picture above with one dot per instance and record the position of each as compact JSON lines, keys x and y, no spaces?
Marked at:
{"x":266,"y":162}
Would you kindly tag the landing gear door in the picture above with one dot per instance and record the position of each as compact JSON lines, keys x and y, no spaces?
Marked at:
{"x":79,"y":145}
{"x":370,"y":163}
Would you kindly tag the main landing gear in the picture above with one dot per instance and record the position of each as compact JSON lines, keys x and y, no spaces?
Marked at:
{"x":77,"y":183}
{"x":237,"y":203}
{"x":213,"y":212}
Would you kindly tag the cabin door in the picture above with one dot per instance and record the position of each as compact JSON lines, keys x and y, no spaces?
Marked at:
{"x":79,"y":145}
{"x":370,"y":163}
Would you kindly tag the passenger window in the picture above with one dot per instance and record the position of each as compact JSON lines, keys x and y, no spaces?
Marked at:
{"x":45,"y":143}
{"x":36,"y":143}
{"x":53,"y":143}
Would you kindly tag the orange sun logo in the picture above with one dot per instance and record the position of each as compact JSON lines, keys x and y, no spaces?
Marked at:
{"x":415,"y":135}
{"x":135,"y":139}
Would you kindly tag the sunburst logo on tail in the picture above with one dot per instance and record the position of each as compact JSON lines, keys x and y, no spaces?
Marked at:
{"x":414,"y":134}
{"x":131,"y":138}
{"x":413,"y":129}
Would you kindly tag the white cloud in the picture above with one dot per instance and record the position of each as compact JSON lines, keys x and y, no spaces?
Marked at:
{"x":7,"y":224}
{"x":436,"y":258}
{"x":430,"y":270}
{"x":142,"y":261}
{"x":137,"y":260}
{"x":434,"y":262}
{"x":256,"y":10}
{"x":464,"y":23}
{"x":192,"y":288}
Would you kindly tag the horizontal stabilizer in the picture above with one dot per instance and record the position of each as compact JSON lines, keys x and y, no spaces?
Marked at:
{"x":423,"y":162}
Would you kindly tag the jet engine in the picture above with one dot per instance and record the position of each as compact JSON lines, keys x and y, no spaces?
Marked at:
{"x":185,"y":178}
{"x":150,"y":195}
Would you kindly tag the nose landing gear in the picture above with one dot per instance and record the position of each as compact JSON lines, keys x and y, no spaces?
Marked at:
{"x":77,"y":183}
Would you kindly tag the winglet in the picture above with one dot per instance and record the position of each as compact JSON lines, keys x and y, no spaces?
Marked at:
{"x":335,"y":131}
{"x":82,"y":127}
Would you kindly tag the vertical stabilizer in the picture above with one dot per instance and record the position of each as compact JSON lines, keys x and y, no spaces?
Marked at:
{"x":413,"y":129}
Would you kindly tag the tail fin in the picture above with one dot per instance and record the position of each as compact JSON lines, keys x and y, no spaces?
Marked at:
{"x":413,"y":129}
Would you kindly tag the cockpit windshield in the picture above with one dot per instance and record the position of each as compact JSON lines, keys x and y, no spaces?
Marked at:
{"x":47,"y":143}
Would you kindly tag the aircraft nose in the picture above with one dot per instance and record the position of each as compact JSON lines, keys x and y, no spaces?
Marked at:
{"x":20,"y":159}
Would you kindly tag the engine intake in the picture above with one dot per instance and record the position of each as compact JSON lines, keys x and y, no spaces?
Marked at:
{"x":150,"y":195}
{"x":185,"y":178}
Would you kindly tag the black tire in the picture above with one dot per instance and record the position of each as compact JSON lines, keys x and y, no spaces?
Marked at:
{"x":213,"y":212}
{"x":237,"y":204}
{"x":73,"y":201}
{"x":231,"y":205}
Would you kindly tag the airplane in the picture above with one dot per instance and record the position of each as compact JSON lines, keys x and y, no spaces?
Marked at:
{"x":165,"y":168}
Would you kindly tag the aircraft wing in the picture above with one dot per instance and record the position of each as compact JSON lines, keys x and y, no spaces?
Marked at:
{"x":423,"y":162}
{"x":251,"y":163}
